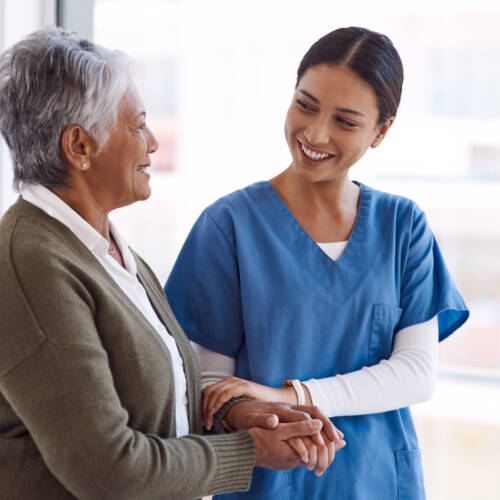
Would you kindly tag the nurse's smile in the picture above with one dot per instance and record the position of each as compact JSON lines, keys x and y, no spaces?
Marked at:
{"x":331,"y":122}
{"x":314,"y":155}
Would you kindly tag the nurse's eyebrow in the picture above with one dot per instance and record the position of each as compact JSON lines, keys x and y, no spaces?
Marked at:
{"x":309,"y":95}
{"x":345,"y":110}
{"x":342,"y":110}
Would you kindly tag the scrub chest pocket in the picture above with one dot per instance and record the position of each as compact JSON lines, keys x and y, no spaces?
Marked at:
{"x":385,"y":317}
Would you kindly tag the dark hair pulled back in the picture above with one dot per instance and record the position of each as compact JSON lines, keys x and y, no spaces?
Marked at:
{"x":368,"y":54}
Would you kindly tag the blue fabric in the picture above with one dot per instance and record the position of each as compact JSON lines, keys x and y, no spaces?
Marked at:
{"x":250,"y":283}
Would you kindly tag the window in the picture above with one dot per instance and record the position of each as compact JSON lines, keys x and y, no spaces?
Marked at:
{"x":217,"y":78}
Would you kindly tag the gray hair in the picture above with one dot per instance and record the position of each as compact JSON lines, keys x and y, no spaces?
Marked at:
{"x":50,"y":80}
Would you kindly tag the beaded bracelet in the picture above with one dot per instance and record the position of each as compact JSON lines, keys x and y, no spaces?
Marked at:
{"x":220,"y":426}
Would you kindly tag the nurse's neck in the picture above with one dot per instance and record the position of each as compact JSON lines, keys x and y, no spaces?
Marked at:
{"x":326,"y":210}
{"x":336,"y":195}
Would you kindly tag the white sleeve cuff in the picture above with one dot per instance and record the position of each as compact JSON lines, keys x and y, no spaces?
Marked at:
{"x":406,"y":378}
{"x":214,"y":366}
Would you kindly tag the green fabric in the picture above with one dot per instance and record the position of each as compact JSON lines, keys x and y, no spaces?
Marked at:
{"x":86,"y":383}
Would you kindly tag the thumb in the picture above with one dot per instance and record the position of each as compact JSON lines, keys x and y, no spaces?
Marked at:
{"x":301,"y":428}
{"x":263,"y":420}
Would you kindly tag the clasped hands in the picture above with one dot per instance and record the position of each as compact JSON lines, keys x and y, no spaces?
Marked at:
{"x":285,"y":435}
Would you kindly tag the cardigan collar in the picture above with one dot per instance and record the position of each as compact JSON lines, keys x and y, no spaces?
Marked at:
{"x":54,"y":206}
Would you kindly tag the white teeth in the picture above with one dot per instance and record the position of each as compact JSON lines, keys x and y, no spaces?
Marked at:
{"x":314,"y":155}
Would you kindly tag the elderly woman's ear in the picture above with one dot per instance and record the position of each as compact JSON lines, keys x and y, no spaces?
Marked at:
{"x":77,"y":147}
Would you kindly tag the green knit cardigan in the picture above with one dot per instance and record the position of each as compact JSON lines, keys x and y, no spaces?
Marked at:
{"x":86,"y":383}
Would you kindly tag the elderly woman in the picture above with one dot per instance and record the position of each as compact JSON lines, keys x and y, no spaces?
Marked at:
{"x":99,"y":389}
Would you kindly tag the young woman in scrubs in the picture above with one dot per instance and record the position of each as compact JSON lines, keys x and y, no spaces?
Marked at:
{"x":313,"y":278}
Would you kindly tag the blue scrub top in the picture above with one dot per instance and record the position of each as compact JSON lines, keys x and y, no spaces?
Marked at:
{"x":251,"y":284}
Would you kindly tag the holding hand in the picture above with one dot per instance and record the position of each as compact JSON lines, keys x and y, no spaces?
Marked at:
{"x":272,"y":449}
{"x":317,"y":450}
{"x":215,"y":395}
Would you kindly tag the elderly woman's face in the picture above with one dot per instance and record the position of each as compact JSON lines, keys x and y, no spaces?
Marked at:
{"x":119,"y":171}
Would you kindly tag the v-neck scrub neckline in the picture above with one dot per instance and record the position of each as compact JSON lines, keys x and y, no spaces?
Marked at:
{"x":329,"y":272}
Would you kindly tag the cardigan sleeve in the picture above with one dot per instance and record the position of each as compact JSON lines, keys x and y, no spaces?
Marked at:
{"x":64,"y":393}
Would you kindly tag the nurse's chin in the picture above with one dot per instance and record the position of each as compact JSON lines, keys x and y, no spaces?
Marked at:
{"x":316,"y":174}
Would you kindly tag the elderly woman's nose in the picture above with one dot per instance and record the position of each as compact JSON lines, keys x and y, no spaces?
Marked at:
{"x":152,"y":143}
{"x":318,"y":132}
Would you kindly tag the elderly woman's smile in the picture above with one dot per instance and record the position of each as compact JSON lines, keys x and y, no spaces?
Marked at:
{"x":117,"y":175}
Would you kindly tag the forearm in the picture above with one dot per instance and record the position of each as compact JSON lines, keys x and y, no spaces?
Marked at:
{"x":406,"y":378}
{"x":216,"y":367}
{"x":89,"y":445}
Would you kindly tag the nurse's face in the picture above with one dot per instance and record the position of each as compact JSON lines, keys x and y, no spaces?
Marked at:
{"x":331,"y":122}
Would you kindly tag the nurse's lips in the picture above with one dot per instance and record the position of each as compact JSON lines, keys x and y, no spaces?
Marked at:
{"x":314,"y":155}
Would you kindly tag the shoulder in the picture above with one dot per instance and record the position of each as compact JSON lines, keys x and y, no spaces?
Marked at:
{"x":239,"y":208}
{"x":41,"y":258}
{"x":239,"y":202}
{"x":33,"y":273}
{"x":26,"y":232}
{"x":392,"y":201}
{"x":386,"y":207}
{"x":32,"y":240}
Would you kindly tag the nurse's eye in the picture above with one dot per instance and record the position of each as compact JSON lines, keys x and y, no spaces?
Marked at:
{"x":346,"y":123}
{"x":141,"y":127}
{"x":304,"y":105}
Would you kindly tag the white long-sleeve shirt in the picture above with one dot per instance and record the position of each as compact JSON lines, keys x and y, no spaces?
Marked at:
{"x":406,"y":378}
{"x":126,"y":279}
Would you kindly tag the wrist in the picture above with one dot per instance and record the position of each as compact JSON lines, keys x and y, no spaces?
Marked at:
{"x":222,"y":419}
{"x":307,"y":395}
{"x":288,"y":395}
{"x":254,"y":433}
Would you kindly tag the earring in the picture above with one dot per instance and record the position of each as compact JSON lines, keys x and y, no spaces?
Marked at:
{"x":84,"y":166}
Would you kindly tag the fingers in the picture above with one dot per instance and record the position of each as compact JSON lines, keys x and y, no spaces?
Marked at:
{"x":264,"y":420}
{"x":331,"y":447}
{"x":216,"y":400}
{"x":322,"y":457}
{"x":323,"y":445}
{"x":340,"y":444}
{"x":330,"y":432}
{"x":328,"y":427}
{"x":288,"y":413}
{"x":317,"y":456}
{"x":301,"y":449}
{"x":299,"y":429}
{"x":215,"y":395}
{"x":313,"y":453}
{"x":209,"y":393}
{"x":322,"y":453}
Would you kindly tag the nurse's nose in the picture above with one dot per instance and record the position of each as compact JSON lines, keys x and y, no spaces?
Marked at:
{"x":318,"y":131}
